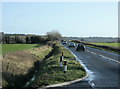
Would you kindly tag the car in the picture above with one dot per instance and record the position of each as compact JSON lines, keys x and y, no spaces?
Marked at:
{"x":64,"y":42}
{"x":80,"y":47}
{"x":71,"y":44}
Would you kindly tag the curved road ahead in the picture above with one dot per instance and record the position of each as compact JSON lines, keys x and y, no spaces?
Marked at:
{"x":102,"y":67}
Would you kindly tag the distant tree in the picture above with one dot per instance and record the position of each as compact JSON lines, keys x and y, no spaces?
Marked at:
{"x":19,"y":39}
{"x":32,"y":39}
{"x":82,"y":39}
{"x":35,"y":39}
{"x":12,"y":39}
{"x":7,"y":39}
{"x":118,"y":40}
{"x":53,"y":35}
{"x":28,"y":40}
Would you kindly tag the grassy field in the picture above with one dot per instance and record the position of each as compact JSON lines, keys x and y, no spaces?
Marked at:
{"x":6,"y":48}
{"x":19,"y":66}
{"x":109,"y":44}
{"x":51,"y":73}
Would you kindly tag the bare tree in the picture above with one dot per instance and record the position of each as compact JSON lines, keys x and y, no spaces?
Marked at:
{"x":53,"y":35}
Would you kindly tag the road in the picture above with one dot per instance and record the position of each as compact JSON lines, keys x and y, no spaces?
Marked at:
{"x":101,"y":66}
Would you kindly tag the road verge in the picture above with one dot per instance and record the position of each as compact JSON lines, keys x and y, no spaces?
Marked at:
{"x":51,"y":72}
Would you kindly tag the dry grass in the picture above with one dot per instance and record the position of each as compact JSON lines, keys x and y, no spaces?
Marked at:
{"x":19,"y":62}
{"x":16,"y":65}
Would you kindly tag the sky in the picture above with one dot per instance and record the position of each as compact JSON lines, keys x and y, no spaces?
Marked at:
{"x":79,"y":19}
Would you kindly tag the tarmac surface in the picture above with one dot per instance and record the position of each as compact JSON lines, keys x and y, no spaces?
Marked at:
{"x":102,"y":67}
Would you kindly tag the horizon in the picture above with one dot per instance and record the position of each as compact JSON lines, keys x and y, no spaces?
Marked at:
{"x":62,"y":36}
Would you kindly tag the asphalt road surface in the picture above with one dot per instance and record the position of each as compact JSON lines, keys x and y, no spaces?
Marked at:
{"x":102,"y":67}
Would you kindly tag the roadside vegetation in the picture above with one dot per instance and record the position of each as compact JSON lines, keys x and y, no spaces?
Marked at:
{"x":26,"y":56}
{"x":109,"y":44}
{"x":19,"y":66}
{"x":50,"y":71}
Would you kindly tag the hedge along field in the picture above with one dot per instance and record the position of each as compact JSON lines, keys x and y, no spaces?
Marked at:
{"x":109,"y":44}
{"x":6,"y":48}
{"x":50,"y":71}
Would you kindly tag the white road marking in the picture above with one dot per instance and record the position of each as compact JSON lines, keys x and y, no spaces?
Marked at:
{"x":105,"y":57}
{"x":87,"y":51}
{"x":110,"y":59}
{"x":92,"y":84}
{"x":93,"y":53}
{"x":104,"y":51}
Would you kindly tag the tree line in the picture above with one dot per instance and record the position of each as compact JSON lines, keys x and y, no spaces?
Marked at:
{"x":23,"y":39}
{"x":30,"y":39}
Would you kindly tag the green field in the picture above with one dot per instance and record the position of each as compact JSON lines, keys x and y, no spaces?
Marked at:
{"x":15,"y":47}
{"x":109,"y":44}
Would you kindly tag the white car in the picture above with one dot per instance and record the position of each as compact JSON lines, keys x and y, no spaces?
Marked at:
{"x":64,"y":42}
{"x":71,"y":44}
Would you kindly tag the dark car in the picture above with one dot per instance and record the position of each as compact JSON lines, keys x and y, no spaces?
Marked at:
{"x":71,"y":44}
{"x":80,"y":47}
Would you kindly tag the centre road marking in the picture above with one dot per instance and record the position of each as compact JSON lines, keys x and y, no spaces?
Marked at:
{"x":110,"y":59}
{"x":91,"y":52}
{"x":87,"y":51}
{"x":92,"y":84}
{"x":104,"y":57}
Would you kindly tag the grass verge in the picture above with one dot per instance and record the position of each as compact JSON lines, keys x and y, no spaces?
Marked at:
{"x":109,"y":44}
{"x":51,"y":73}
{"x":18,"y":67}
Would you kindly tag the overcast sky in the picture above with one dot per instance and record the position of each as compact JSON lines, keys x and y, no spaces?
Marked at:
{"x":69,"y":18}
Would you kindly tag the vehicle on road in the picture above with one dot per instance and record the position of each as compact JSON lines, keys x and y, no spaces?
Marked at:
{"x":64,"y":42}
{"x":80,"y":47}
{"x":71,"y":44}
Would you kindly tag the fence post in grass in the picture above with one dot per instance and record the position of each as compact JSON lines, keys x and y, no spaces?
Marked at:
{"x":62,"y":53}
{"x":65,"y":66}
{"x":61,"y":61}
{"x":62,"y":56}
